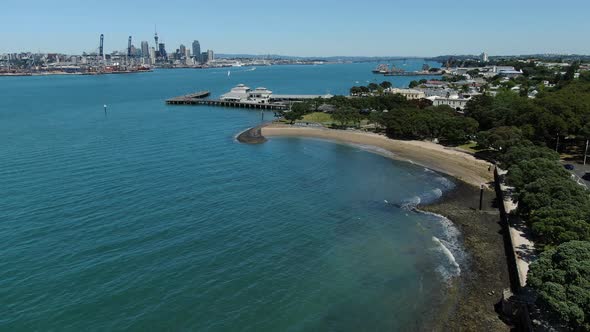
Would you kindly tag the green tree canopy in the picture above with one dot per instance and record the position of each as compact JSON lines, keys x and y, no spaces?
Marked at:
{"x":500,"y":138}
{"x":530,"y":170}
{"x":525,"y":150}
{"x":562,"y":278}
{"x":386,"y":84}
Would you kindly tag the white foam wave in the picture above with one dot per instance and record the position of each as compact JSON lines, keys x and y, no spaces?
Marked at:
{"x":446,"y":183}
{"x":447,"y":253}
{"x":452,"y":268}
{"x":448,"y":244}
{"x":411,"y":204}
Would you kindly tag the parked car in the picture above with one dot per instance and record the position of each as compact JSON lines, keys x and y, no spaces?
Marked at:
{"x":586,"y":176}
{"x":569,"y":167}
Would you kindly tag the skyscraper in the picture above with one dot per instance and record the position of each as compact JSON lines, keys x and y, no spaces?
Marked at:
{"x":182,"y":50}
{"x":162,"y":50}
{"x":156,"y":36}
{"x":197,"y":50}
{"x":145,"y":49}
{"x":153,"y":55}
{"x":210,"y":55}
{"x":484,"y":57}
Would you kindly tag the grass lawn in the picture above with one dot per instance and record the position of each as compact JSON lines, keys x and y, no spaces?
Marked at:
{"x":471,"y":147}
{"x":319,"y":117}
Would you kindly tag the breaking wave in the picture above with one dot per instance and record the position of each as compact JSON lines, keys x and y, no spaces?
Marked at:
{"x":448,"y":246}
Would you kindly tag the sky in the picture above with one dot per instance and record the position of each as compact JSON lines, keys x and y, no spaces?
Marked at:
{"x":301,"y":27}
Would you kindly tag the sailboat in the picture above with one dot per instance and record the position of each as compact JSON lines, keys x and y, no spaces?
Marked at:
{"x":228,"y":73}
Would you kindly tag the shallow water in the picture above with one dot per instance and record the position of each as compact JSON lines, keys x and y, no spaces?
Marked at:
{"x":154,"y":218}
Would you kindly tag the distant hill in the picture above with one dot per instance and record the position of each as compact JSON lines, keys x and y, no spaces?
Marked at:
{"x":329,"y":58}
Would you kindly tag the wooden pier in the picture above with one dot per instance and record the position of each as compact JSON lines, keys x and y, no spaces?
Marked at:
{"x":200,"y":98}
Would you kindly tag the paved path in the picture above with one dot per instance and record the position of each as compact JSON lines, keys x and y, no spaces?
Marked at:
{"x":521,"y":238}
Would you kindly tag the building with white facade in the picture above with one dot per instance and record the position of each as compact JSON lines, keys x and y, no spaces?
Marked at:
{"x":410,"y":94}
{"x":484,"y":57}
{"x":244,"y":94}
{"x":455,"y":102}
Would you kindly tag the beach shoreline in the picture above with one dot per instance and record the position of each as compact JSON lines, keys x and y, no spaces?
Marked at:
{"x":456,"y":164}
{"x":471,"y":298}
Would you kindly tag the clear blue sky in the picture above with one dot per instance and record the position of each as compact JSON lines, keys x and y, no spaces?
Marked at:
{"x":302,"y":27}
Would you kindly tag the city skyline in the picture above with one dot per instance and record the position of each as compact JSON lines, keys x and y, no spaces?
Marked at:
{"x":329,"y":28}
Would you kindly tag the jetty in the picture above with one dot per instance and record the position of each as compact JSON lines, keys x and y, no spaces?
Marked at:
{"x":225,"y":103}
{"x":242,"y":96}
{"x":188,"y":99}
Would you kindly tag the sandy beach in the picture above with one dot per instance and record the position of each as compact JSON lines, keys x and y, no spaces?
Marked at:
{"x":460,"y":165}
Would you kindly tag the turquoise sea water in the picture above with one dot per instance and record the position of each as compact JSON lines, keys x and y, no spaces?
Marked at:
{"x":154,"y":218}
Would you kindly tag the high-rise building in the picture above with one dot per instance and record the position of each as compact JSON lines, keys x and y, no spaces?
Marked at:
{"x":197,"y":50}
{"x":210,"y":55}
{"x":132,"y":51}
{"x":153,"y":54}
{"x":204,"y":57}
{"x":145,"y":49}
{"x":162,"y":50}
{"x":484,"y":57}
{"x":156,"y":37}
{"x":182,"y":50}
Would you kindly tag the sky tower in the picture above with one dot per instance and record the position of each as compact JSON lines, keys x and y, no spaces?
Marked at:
{"x":100,"y":48}
{"x":156,"y":36}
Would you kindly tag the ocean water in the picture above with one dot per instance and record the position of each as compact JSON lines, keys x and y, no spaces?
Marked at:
{"x":153,"y":217}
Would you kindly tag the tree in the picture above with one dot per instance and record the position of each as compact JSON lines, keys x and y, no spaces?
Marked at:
{"x":554,"y":193}
{"x":297,"y":111}
{"x":561,"y":276}
{"x":386,"y":85}
{"x":355,"y":91}
{"x":473,"y":72}
{"x":571,"y":71}
{"x":432,"y":122}
{"x":346,"y":115}
{"x":525,"y":150}
{"x":528,"y":171}
{"x":500,"y":138}
{"x":293,"y":116}
{"x":373,"y":87}
{"x":413,"y":84}
{"x":481,"y":109}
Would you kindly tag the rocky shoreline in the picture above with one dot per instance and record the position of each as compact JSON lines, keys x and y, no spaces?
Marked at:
{"x":480,"y":286}
{"x":252,"y":136}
